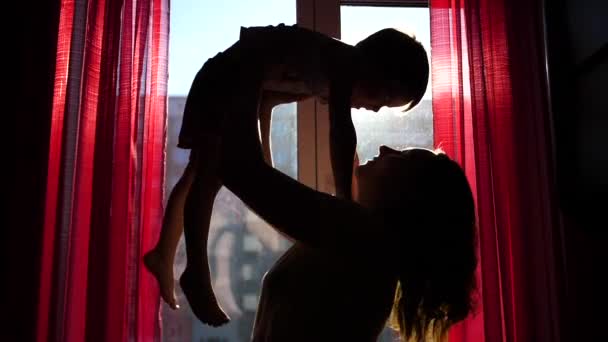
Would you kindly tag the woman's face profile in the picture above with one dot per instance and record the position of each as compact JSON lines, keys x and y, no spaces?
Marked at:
{"x":390,"y":167}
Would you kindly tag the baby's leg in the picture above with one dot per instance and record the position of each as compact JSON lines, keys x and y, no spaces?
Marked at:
{"x":159,"y":261}
{"x":195,"y":281}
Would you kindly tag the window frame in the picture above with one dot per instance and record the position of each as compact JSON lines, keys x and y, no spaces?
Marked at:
{"x":386,"y":3}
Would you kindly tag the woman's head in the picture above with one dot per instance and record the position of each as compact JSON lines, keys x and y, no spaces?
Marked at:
{"x":426,"y":202}
{"x":394,"y":71}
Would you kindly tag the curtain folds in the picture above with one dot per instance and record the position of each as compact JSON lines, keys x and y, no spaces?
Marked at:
{"x":105,"y":172}
{"x":491,"y":115}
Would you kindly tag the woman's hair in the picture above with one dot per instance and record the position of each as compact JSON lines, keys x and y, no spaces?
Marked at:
{"x":403,"y":59}
{"x":435,"y":222}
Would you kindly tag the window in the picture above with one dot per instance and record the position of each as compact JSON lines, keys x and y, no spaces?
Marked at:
{"x":241,"y":246}
{"x":389,"y":126}
{"x":351,"y":21}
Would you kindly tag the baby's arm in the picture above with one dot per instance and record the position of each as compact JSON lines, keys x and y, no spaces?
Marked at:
{"x":342,"y":141}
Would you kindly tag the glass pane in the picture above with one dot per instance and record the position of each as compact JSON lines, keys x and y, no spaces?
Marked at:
{"x":389,"y":126}
{"x":241,"y":247}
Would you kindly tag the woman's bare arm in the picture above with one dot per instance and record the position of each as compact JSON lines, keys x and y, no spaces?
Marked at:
{"x":270,"y":99}
{"x":308,"y":216}
{"x":342,"y":138}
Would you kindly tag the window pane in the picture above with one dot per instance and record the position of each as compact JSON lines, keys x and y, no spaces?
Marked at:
{"x":389,"y":126}
{"x":241,"y":246}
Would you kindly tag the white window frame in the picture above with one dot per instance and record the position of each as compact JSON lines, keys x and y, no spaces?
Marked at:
{"x":314,"y":163}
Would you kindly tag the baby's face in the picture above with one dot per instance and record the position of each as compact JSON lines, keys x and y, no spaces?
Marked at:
{"x":373,"y":97}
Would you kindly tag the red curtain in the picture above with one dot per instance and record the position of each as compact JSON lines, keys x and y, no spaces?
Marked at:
{"x":491,"y":115}
{"x":105,"y":172}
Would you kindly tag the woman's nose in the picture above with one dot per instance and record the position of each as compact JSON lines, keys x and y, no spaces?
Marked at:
{"x":386,"y":150}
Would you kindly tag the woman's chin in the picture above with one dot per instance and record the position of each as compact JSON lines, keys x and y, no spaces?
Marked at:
{"x":365,"y":168}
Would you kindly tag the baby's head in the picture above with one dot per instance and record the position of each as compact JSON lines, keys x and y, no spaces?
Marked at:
{"x":393,"y":72}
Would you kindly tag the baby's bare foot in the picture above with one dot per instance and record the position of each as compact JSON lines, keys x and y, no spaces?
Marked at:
{"x":196,"y":286}
{"x":163,"y":272}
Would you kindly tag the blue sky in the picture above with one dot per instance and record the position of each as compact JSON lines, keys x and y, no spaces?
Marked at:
{"x":200,"y":29}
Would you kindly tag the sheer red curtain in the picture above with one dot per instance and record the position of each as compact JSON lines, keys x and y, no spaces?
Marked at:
{"x":105,"y":172}
{"x":491,"y":115}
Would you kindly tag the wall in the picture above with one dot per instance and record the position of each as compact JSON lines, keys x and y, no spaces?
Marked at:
{"x":26,"y":110}
{"x":577,"y":40}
